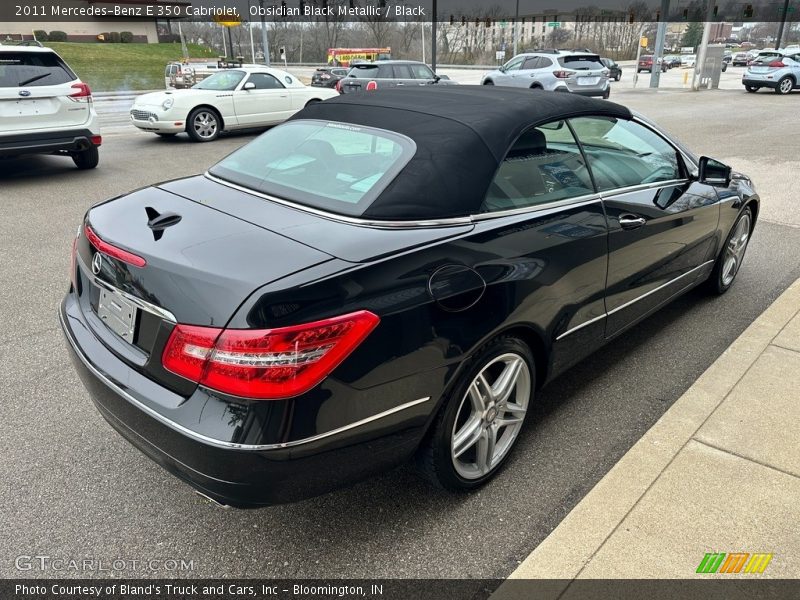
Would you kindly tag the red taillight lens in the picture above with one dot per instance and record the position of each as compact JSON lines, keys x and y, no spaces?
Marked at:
{"x":339,"y":86}
{"x":73,"y":264}
{"x":97,"y":140}
{"x":776,"y":64}
{"x":113,"y":251}
{"x":562,"y":74}
{"x":266,"y":364}
{"x":372,"y":86}
{"x":83,"y":92}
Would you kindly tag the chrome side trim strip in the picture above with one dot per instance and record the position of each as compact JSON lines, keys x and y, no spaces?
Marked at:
{"x":138,"y":302}
{"x":566,"y":203}
{"x":661,"y":287}
{"x":450,"y":222}
{"x":634,"y":301}
{"x":212,"y":441}
{"x":641,"y":187}
{"x":581,"y":326}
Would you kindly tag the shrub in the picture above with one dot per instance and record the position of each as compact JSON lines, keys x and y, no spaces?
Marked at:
{"x":57,"y":36}
{"x":41,"y":35}
{"x":126,"y":37}
{"x":113,"y":37}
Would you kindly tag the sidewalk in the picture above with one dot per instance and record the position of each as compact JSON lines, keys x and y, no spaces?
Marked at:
{"x":719,"y":472}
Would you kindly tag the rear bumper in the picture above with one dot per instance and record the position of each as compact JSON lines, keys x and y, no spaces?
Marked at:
{"x":73,"y":140}
{"x":759,"y":82}
{"x":593,"y":92}
{"x":236,"y":474}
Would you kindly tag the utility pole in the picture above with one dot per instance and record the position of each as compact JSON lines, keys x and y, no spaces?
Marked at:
{"x":782,"y":25}
{"x":700,"y":63}
{"x":422,"y":37}
{"x":655,"y":73}
{"x":516,"y":24}
{"x":264,"y":34}
{"x":433,"y":36}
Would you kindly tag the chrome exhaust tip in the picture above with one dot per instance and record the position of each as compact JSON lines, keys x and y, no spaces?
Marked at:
{"x":211,"y":500}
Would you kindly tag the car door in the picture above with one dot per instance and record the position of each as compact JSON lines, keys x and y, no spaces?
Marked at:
{"x":261,"y":100}
{"x":422,"y":74}
{"x":661,"y":222}
{"x":527,"y":73}
{"x":504,"y":75}
{"x":402,"y":76}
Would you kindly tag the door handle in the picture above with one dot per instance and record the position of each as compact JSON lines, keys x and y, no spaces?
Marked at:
{"x":399,"y":83}
{"x":628,"y":221}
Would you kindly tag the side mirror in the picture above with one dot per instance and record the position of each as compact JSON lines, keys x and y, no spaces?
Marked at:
{"x":502,"y":69}
{"x":249,"y":86}
{"x":713,"y":172}
{"x":436,"y":79}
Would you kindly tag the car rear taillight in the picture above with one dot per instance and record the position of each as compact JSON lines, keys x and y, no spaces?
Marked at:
{"x":776,"y":64}
{"x":73,"y":263}
{"x":562,"y":74}
{"x":83,"y":93}
{"x":339,"y":86}
{"x":113,"y":251}
{"x":372,"y":86}
{"x":265,"y":364}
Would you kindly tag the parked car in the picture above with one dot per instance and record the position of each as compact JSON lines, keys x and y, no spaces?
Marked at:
{"x":646,"y":64}
{"x":614,"y":70}
{"x":780,"y":73}
{"x":765,"y":55}
{"x":689,"y":60}
{"x":184,"y":74}
{"x":228,"y":100}
{"x":740,"y":59}
{"x":727,"y":58}
{"x":672,"y":61}
{"x":555,"y":71}
{"x":384,"y":74}
{"x":328,"y":76}
{"x":45,"y":108}
{"x":341,"y":295}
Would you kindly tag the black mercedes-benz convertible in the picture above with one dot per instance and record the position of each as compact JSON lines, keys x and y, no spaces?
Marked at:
{"x":387,"y":276}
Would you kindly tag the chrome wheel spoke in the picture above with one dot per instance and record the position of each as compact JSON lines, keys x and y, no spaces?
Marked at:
{"x":467,"y":437}
{"x":507,"y":381}
{"x":485,"y":450}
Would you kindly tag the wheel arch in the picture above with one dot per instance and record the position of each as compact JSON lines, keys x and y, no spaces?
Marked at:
{"x":207,"y":107}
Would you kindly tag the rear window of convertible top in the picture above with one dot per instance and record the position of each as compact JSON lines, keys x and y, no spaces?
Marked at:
{"x":335,"y":167}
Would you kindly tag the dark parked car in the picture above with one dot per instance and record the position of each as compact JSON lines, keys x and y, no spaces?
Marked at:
{"x":646,"y":64}
{"x":327,"y":76}
{"x":383,"y":277}
{"x":388,"y":74}
{"x":672,"y":61}
{"x":614,"y":70}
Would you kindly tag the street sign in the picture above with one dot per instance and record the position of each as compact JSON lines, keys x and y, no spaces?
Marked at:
{"x":554,"y":24}
{"x":643,"y":42}
{"x":500,"y":55}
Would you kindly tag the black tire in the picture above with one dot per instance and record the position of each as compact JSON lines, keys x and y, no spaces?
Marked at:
{"x":435,"y":458}
{"x":166,"y":135}
{"x":606,"y":94}
{"x":751,"y":88}
{"x":721,"y":280}
{"x":87,"y":159}
{"x":204,"y":124}
{"x":785,"y":86}
{"x":618,"y":76}
{"x":488,"y":82}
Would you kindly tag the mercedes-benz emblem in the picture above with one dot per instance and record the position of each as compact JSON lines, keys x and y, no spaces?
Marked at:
{"x":24,"y":93}
{"x":97,"y":263}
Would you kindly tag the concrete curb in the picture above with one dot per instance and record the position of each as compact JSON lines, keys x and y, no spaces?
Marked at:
{"x":571,"y":545}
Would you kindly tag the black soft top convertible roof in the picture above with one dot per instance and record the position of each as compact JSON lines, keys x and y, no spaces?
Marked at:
{"x":462,"y":134}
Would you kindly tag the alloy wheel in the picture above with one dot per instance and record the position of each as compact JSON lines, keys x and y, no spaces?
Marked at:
{"x":490,"y":416}
{"x":785,"y":85}
{"x":205,"y":124}
{"x":734,"y":251}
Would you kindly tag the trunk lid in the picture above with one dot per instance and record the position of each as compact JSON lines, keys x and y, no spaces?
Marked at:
{"x":202,"y":267}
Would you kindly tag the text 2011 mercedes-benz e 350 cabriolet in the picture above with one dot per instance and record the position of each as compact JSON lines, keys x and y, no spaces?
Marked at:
{"x":386,"y":276}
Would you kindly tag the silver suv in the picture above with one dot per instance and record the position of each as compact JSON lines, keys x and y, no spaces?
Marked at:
{"x":556,"y":71}
{"x":45,"y":108}
{"x":781,"y":73}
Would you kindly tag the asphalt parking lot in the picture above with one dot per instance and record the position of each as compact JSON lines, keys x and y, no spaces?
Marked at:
{"x":72,"y":488}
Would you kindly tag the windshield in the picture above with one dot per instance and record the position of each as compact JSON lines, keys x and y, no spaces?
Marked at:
{"x":222,"y":81}
{"x":322,"y":164}
{"x":19,"y":69}
{"x":581,"y":62}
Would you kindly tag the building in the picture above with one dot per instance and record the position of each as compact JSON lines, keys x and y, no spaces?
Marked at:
{"x":144,"y":29}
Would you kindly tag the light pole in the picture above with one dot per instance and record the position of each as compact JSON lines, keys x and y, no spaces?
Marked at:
{"x":783,"y":25}
{"x":433,"y":36}
{"x":264,"y":34}
{"x":516,"y":19}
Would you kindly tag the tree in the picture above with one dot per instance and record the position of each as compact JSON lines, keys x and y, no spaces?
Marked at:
{"x":693,"y":35}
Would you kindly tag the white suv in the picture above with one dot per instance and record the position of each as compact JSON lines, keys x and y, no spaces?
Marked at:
{"x":45,"y":108}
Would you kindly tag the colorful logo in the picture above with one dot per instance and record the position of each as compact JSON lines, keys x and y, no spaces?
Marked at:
{"x":734,"y":562}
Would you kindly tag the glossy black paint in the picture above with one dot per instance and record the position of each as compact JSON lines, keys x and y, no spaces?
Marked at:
{"x":242,"y":261}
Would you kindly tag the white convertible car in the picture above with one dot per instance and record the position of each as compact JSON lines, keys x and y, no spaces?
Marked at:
{"x":231,"y":99}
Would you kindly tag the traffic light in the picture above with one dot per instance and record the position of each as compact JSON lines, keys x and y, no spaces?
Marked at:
{"x":352,"y":4}
{"x":452,"y":19}
{"x":488,"y":22}
{"x":302,"y":7}
{"x":748,"y":11}
{"x":283,"y":7}
{"x":463,"y":20}
{"x":477,"y":21}
{"x":716,"y":10}
{"x":631,"y":18}
{"x":685,"y":14}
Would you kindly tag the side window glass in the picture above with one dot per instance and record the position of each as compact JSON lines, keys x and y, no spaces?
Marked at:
{"x":514,"y":63}
{"x":623,"y":153}
{"x":422,"y":72}
{"x":265,"y":81}
{"x":402,"y":72}
{"x":531,"y":63}
{"x":544,"y":165}
{"x":544,"y":62}
{"x":385,"y":72}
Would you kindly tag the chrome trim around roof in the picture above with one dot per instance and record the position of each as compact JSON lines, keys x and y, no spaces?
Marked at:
{"x":566,"y":203}
{"x":199,"y":437}
{"x":450,"y":222}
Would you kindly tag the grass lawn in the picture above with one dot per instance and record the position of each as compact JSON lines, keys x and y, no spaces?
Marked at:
{"x":122,"y":67}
